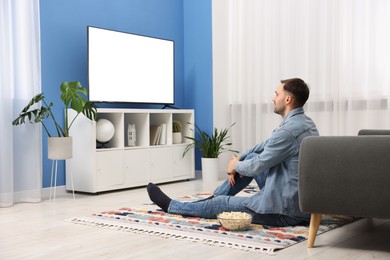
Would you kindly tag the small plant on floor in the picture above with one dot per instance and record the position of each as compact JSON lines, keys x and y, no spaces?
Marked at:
{"x":211,"y":146}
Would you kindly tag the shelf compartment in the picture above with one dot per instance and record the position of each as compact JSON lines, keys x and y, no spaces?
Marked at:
{"x":141,"y":128}
{"x":117,"y":120}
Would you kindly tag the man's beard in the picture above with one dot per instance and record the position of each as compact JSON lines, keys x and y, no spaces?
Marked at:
{"x":278,"y":111}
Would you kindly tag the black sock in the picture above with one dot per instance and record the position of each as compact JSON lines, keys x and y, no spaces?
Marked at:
{"x":158,"y":197}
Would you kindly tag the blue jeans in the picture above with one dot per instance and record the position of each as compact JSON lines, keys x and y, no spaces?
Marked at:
{"x":224,"y":200}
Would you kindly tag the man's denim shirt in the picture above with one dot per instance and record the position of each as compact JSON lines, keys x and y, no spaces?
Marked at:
{"x":277,"y":160}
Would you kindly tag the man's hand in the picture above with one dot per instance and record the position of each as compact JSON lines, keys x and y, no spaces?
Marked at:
{"x":231,"y":180}
{"x":231,"y":170}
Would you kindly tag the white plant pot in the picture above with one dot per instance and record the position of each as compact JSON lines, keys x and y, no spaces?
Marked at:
{"x":59,"y":148}
{"x":177,"y":138}
{"x":209,"y":170}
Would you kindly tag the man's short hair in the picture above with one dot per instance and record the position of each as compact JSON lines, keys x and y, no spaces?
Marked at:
{"x":298,"y":88}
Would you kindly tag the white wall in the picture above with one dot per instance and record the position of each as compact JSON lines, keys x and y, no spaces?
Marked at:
{"x":221,"y":80}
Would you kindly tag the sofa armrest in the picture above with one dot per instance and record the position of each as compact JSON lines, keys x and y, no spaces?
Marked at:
{"x":374,"y":132}
{"x":346,"y":175}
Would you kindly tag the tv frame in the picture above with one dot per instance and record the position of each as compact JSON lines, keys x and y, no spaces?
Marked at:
{"x":145,"y":101}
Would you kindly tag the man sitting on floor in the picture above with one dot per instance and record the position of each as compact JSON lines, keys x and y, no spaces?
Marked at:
{"x":273,"y":164}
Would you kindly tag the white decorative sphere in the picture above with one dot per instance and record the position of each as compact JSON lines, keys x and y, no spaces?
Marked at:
{"x":104,"y":130}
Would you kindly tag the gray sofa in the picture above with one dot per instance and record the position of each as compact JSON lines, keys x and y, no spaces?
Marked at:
{"x":345,"y":175}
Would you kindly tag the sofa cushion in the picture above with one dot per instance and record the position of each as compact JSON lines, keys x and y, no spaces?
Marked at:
{"x":347,"y":175}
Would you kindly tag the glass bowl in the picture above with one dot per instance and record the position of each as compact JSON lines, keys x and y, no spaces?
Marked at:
{"x":235,"y":220}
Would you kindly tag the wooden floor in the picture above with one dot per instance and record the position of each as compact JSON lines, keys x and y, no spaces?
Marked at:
{"x":38,"y":231}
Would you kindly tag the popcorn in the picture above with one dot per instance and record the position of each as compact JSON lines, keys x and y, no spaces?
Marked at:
{"x":235,"y":220}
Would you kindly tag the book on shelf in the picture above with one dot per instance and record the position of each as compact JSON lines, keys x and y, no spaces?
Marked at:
{"x":158,"y":134}
{"x":154,"y":134}
{"x":163,"y":135}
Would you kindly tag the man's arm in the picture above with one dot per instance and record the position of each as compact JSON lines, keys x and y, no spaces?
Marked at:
{"x":278,"y":148}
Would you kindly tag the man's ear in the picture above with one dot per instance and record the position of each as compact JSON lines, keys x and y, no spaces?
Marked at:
{"x":288,"y":99}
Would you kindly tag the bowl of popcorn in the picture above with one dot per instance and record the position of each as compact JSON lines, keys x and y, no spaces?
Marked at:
{"x":235,"y":220}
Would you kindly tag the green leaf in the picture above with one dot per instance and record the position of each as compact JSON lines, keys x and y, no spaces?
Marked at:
{"x":73,"y":95}
{"x":210,"y":146}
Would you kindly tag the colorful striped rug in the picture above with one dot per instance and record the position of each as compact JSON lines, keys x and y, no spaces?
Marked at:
{"x":151,"y":221}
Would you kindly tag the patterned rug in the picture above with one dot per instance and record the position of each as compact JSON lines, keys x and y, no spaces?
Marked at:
{"x":152,"y":221}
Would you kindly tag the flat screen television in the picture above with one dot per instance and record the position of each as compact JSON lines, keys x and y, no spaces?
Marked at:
{"x":129,"y":68}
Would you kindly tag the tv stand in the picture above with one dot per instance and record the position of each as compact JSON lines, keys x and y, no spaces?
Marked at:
{"x":117,"y":165}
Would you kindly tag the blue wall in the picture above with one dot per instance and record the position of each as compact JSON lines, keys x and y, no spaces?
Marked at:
{"x":64,"y":48}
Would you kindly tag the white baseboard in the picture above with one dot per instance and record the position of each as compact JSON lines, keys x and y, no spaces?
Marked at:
{"x":59,"y":191}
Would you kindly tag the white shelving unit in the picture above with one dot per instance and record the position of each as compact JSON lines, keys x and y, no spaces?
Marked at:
{"x":120,"y":166}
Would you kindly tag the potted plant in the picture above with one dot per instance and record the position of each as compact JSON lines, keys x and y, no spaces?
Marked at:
{"x":177,"y":137}
{"x":210,"y":146}
{"x":73,"y":95}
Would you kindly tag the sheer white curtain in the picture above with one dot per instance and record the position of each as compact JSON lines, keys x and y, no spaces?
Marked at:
{"x":340,"y":47}
{"x":20,"y":149}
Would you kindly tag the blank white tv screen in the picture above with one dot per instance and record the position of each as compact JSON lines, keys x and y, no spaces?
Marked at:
{"x":125,"y":67}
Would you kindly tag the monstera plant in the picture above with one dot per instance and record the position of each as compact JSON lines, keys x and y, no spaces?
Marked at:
{"x":38,"y":110}
{"x":73,"y":95}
